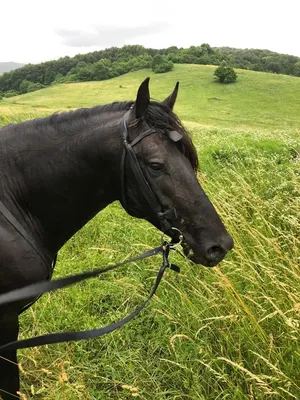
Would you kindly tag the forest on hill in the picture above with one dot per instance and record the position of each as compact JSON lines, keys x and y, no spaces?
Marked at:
{"x":114,"y":61}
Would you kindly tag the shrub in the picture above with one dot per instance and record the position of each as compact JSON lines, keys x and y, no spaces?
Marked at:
{"x":225,"y":74}
{"x":161,"y":64}
{"x":27,"y":86}
{"x":11,"y":93}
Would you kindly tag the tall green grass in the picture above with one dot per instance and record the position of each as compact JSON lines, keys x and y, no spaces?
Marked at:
{"x":231,"y":332}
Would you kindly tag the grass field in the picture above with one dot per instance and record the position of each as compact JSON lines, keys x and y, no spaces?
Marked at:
{"x":231,"y":332}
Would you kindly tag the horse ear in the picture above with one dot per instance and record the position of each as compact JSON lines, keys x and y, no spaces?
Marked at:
{"x":170,"y":101}
{"x":142,"y":99}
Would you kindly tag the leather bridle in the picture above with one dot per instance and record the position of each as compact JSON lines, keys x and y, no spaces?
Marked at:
{"x":128,"y":152}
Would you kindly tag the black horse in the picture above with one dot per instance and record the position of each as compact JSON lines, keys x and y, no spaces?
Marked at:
{"x":58,"y":172}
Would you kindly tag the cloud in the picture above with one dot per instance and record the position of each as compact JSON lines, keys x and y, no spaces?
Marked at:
{"x":108,"y":36}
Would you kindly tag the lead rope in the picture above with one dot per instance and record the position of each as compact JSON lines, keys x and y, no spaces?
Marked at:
{"x":89,"y":334}
{"x":36,"y":299}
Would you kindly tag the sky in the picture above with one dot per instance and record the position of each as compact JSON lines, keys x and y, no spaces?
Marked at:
{"x":33,"y":31}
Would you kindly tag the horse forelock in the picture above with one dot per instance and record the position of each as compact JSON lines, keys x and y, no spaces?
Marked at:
{"x":162,"y":119}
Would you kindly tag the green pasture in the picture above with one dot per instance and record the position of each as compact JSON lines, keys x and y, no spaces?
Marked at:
{"x":258,"y":100}
{"x":231,"y":332}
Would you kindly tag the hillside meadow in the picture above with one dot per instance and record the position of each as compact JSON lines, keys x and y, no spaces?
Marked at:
{"x":231,"y":332}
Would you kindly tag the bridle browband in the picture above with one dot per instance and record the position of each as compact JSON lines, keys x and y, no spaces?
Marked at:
{"x":155,"y":206}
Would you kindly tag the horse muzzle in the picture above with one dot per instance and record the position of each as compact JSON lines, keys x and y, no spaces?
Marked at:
{"x":208,"y":254}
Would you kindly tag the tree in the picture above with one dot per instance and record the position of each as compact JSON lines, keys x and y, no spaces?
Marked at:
{"x":27,"y":86}
{"x":34,"y":86}
{"x":296,"y":70}
{"x":84,"y":74}
{"x":161,"y":64}
{"x":24,"y":86}
{"x":225,"y":74}
{"x":273,"y":67}
{"x":102,"y":70}
{"x":206,"y":48}
{"x":108,"y":63}
{"x":11,"y":93}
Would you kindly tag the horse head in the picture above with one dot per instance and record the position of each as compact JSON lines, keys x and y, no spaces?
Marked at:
{"x":160,"y":183}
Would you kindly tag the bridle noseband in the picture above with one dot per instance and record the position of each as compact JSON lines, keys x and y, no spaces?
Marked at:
{"x":155,"y":206}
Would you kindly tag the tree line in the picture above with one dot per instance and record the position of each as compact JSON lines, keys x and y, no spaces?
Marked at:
{"x":113,"y":62}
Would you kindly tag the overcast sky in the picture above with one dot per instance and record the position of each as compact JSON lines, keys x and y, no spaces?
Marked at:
{"x":40,"y":30}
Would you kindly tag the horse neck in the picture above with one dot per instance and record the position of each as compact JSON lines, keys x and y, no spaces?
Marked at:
{"x":67,"y":174}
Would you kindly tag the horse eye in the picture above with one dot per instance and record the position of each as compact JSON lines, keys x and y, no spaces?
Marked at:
{"x":156,"y":166}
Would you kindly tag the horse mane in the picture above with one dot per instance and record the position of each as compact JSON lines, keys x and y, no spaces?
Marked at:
{"x":84,"y":113}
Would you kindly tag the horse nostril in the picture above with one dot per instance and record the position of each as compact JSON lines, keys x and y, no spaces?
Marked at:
{"x":215,"y":253}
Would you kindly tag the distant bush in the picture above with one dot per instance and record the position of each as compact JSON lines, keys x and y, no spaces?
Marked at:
{"x":58,"y":79}
{"x":34,"y":86}
{"x":296,"y":69}
{"x":225,"y":74}
{"x":27,"y":86}
{"x":161,"y":64}
{"x":273,"y":67}
{"x":11,"y":93}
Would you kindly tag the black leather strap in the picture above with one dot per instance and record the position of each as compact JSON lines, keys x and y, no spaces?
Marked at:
{"x":155,"y":206}
{"x":43,"y":287}
{"x":39,"y":288}
{"x":15,"y":223}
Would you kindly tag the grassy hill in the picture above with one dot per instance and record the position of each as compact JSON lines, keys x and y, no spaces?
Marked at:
{"x":257,"y":100}
{"x":228,"y":332}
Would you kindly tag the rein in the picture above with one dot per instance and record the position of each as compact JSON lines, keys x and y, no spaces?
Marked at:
{"x":37,"y":289}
